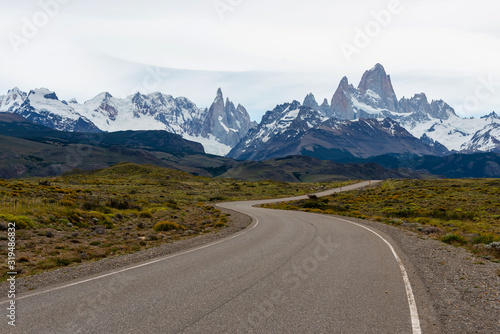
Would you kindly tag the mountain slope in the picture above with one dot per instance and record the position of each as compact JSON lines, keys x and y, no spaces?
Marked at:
{"x":485,"y":140}
{"x":307,"y":169}
{"x":28,"y":149}
{"x":155,"y":140}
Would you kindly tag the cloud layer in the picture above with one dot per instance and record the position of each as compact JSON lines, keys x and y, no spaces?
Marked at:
{"x":260,"y":52}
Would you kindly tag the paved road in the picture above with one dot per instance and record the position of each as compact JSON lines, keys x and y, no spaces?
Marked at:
{"x":289,"y":272}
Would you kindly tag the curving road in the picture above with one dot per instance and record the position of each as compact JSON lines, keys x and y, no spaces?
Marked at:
{"x":289,"y":272}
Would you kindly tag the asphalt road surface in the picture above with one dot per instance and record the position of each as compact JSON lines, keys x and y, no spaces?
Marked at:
{"x":289,"y":272}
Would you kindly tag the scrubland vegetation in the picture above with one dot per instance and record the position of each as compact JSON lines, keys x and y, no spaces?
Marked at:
{"x":92,"y":215}
{"x":462,"y":212}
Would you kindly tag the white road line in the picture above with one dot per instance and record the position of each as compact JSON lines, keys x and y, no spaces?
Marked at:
{"x":415,"y":321}
{"x":254,"y":219}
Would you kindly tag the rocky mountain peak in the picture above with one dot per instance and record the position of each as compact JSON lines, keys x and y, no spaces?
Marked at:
{"x":310,"y":101}
{"x":441,"y":110}
{"x":325,"y":107}
{"x":341,"y":101}
{"x":220,"y":95}
{"x":13,"y":100}
{"x":344,"y":84}
{"x":227,"y":123}
{"x":15,"y":90}
{"x":492,"y":116}
{"x":376,"y":87}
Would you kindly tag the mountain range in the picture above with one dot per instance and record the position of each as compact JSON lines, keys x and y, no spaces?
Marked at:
{"x":32,"y":150}
{"x":357,"y":123}
{"x":218,"y":128}
{"x":367,"y":121}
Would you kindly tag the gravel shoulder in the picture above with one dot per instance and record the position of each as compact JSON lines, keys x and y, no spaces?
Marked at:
{"x":463,"y":290}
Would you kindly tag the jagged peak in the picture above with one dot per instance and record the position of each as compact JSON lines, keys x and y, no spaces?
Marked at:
{"x":219,"y":99}
{"x":219,"y":93}
{"x":106,"y":95}
{"x":377,"y":75}
{"x":309,"y":98}
{"x":377,"y":68}
{"x":15,"y":90}
{"x":491,"y":115}
{"x":420,"y":96}
{"x":344,"y":82}
{"x":41,"y":91}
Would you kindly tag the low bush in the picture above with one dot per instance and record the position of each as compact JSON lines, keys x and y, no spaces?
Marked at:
{"x":167,"y":226}
{"x":65,"y":202}
{"x":485,"y":239}
{"x":452,"y":238}
{"x":145,"y":214}
{"x":22,"y":222}
{"x":219,"y":224}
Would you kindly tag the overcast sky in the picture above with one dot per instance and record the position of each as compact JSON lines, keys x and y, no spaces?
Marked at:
{"x":260,"y":52}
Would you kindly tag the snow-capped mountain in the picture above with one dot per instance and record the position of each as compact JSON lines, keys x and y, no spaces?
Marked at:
{"x":226,"y":122}
{"x":375,"y":98}
{"x":366,"y":121}
{"x":294,"y":129}
{"x":43,"y":107}
{"x":218,"y":128}
{"x":486,"y":139}
{"x":12,"y":101}
{"x":224,"y":127}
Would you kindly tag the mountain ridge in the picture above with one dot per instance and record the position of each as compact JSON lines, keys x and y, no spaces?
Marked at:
{"x":217,"y":130}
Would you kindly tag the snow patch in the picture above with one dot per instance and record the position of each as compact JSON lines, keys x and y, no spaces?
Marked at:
{"x":210,"y":144}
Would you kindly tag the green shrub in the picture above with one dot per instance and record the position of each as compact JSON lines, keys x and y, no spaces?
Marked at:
{"x":22,"y":222}
{"x":62,"y":262}
{"x":65,"y":202}
{"x":314,"y":204}
{"x":485,"y":239}
{"x":167,"y":226}
{"x":145,"y":214}
{"x":121,"y":204}
{"x":452,"y":238}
